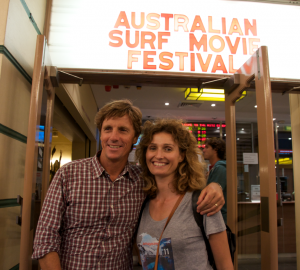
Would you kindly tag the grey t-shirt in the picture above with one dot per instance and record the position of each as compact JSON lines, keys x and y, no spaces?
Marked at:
{"x":182,"y":245}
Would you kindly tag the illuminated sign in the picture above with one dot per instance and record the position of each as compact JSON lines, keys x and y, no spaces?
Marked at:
{"x":208,"y":36}
{"x":199,"y":130}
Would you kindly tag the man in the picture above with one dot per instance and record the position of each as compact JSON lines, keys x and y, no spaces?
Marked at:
{"x":214,"y":151}
{"x":92,"y":207}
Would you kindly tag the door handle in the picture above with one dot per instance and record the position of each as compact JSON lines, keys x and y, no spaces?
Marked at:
{"x":280,"y":222}
{"x":19,"y":218}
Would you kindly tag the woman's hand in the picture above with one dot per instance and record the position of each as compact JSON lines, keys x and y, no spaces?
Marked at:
{"x":211,"y":200}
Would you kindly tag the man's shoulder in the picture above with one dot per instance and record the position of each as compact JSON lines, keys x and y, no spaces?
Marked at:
{"x":220,"y":164}
{"x":135,"y":171}
{"x":136,"y":168}
{"x":77,"y":163}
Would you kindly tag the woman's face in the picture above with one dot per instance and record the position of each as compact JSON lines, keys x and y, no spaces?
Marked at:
{"x":163,"y":155}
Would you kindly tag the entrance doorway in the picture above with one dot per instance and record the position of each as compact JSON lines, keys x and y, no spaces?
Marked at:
{"x":153,"y":96}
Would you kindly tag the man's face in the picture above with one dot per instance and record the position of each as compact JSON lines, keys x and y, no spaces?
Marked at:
{"x":209,"y":152}
{"x":117,"y":137}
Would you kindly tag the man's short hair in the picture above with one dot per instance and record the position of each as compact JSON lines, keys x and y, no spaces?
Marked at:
{"x":219,"y":145}
{"x":119,"y":108}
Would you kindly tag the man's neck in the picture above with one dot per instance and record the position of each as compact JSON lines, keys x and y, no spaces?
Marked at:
{"x":113,"y":168}
{"x":213,"y":161}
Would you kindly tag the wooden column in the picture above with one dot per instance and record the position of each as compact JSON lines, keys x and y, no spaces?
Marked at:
{"x":31,"y":155}
{"x":295,"y":123}
{"x":257,"y":66}
{"x":269,"y":237}
{"x":231,"y":158}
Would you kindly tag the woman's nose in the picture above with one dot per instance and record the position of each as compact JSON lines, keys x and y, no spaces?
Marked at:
{"x":159,"y":153}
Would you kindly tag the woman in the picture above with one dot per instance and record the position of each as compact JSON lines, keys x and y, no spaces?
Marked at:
{"x":168,"y":154}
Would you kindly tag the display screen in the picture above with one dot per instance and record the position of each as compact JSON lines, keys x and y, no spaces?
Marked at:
{"x":203,"y":131}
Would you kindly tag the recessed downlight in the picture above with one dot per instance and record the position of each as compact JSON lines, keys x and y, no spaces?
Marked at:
{"x":213,"y":105}
{"x":167,"y":103}
{"x":255,"y":106}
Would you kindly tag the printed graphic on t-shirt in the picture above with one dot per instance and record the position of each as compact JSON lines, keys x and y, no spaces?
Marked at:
{"x":148,"y":248}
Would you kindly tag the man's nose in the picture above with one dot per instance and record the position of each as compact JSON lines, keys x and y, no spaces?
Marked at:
{"x":114,"y":136}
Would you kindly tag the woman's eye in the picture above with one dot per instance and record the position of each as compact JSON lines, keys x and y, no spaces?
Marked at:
{"x":168,"y":149}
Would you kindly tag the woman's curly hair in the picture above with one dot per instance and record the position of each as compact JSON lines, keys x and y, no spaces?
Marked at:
{"x":189,"y":174}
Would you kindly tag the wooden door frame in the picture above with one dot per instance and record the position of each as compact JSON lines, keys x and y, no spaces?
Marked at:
{"x":40,"y":80}
{"x":256,"y":67}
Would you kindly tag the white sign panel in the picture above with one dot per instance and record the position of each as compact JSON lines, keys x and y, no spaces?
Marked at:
{"x":208,"y":36}
{"x":250,"y":158}
{"x":255,"y":193}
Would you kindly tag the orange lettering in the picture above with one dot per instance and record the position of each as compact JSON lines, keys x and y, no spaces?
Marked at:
{"x":155,"y":22}
{"x":131,"y":58}
{"x":224,"y":26}
{"x":178,"y":23}
{"x":181,"y":56}
{"x":253,"y":47}
{"x":210,"y":29}
{"x":147,"y":60}
{"x":149,"y":41}
{"x":219,"y":65}
{"x":122,"y":20}
{"x":233,"y":48}
{"x":162,"y":40}
{"x":167,"y":19}
{"x":204,"y":66}
{"x":198,"y":25}
{"x":198,"y":44}
{"x":137,"y":39}
{"x":211,"y":43}
{"x":133,"y":20}
{"x":118,"y":39}
{"x":231,"y":69}
{"x":192,"y":62}
{"x":235,"y":27}
{"x":250,"y":27}
{"x":166,"y":60}
{"x":244,"y":46}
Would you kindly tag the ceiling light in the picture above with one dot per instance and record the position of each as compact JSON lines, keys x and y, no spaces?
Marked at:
{"x":224,"y":134}
{"x":238,"y":139}
{"x":213,"y":105}
{"x":278,"y":126}
{"x":255,"y":106}
{"x":167,"y":103}
{"x":274,"y":119}
{"x":242,"y":128}
{"x":290,"y":138}
{"x":207,"y":94}
{"x":218,"y":127}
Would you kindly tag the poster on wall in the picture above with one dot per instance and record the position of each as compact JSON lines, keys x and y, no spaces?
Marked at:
{"x":210,"y":37}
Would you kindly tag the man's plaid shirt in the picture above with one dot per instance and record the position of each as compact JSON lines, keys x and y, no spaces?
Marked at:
{"x":88,"y":219}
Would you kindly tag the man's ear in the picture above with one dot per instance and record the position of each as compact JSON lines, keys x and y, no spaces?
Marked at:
{"x":135,"y":139}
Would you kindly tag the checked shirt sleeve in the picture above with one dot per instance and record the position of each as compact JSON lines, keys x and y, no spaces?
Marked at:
{"x":47,"y":237}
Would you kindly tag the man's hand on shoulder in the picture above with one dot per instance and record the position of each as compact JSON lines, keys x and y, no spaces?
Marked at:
{"x":211,"y":200}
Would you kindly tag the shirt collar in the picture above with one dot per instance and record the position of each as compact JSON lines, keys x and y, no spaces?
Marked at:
{"x":99,"y":169}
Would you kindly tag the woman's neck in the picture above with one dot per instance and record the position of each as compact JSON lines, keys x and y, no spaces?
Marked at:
{"x":165,"y":188}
